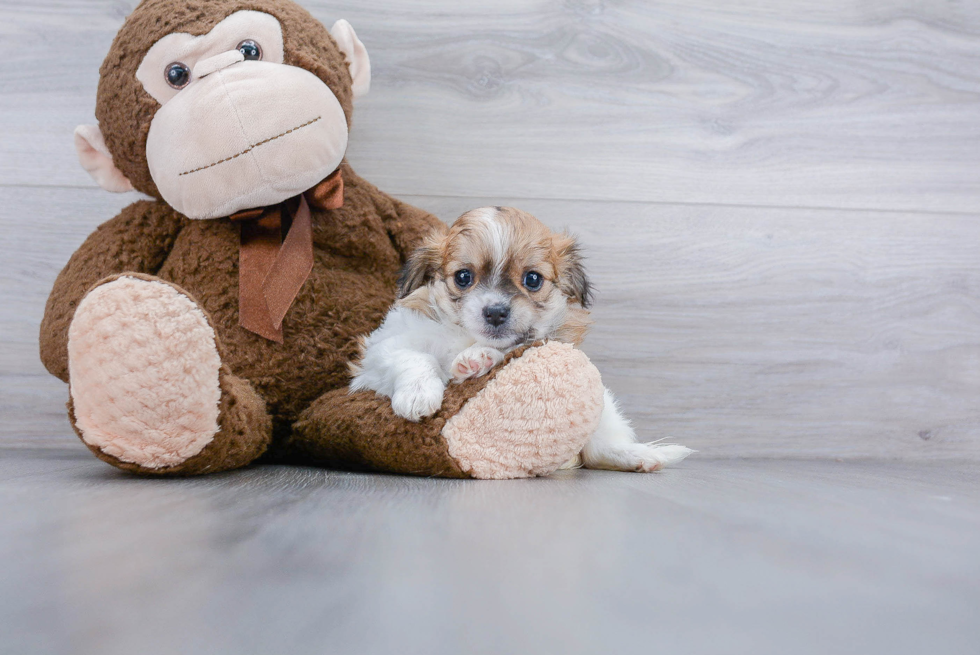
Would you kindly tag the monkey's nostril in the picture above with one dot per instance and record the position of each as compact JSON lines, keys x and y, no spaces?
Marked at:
{"x":496,"y":315}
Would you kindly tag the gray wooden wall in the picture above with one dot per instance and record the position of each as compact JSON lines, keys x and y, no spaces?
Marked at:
{"x":780,"y":199}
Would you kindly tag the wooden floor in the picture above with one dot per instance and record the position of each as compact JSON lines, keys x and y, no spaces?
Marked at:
{"x":714,"y":557}
{"x":780,"y":201}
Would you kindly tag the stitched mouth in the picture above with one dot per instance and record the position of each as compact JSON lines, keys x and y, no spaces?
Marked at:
{"x":252,"y":147}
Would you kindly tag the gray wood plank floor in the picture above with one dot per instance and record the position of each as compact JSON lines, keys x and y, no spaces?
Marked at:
{"x":762,"y":557}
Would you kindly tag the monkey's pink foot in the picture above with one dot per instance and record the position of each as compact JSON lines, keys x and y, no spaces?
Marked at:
{"x":535,"y":414}
{"x":474,"y":362}
{"x":144,"y":373}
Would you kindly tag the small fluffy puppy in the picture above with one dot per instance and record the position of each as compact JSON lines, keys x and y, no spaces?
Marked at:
{"x":496,"y":280}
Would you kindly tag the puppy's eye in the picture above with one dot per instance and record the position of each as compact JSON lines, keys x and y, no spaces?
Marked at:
{"x":533,"y":280}
{"x":178,"y":75}
{"x":463,"y":278}
{"x":251,"y":50}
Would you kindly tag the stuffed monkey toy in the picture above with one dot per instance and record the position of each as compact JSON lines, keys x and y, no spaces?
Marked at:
{"x":212,"y":325}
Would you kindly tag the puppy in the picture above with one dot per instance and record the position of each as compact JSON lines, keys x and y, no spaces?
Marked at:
{"x":496,"y":280}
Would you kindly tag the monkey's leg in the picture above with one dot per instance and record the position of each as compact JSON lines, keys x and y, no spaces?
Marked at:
{"x":526,"y":417}
{"x":148,"y":390}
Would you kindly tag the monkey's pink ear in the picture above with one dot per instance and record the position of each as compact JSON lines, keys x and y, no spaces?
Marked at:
{"x":95,"y":158}
{"x":357,"y":56}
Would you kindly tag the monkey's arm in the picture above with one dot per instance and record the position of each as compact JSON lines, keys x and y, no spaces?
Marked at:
{"x":410,"y":226}
{"x":406,"y":225}
{"x":138,"y":240}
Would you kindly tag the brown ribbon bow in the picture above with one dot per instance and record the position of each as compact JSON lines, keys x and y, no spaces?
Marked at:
{"x":271,"y":269}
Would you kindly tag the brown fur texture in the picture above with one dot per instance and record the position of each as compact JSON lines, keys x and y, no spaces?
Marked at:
{"x":358,"y":252}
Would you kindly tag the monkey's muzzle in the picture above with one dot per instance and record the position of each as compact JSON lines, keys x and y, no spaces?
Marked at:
{"x":251,"y":134}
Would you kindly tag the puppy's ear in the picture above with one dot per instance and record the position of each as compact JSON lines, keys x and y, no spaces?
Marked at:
{"x":420,"y":267}
{"x":572,"y":279}
{"x":420,"y":302}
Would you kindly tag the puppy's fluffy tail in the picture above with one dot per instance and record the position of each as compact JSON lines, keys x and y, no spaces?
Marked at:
{"x":668,"y":454}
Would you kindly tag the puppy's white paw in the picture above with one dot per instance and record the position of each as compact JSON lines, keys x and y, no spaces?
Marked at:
{"x":418,"y":399}
{"x":474,"y":362}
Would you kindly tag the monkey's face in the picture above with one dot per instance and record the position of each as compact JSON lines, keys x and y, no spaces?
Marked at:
{"x":235,"y":126}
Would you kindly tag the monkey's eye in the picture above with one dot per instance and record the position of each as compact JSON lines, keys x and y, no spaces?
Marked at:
{"x":463,"y":278}
{"x":178,"y":75}
{"x":533,"y":280}
{"x":250,"y":49}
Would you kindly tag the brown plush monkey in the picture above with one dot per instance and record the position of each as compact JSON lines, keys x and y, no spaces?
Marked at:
{"x":213,"y":324}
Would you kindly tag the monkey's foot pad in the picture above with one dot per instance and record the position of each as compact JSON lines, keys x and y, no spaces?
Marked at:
{"x":144,"y":373}
{"x":536,"y":414}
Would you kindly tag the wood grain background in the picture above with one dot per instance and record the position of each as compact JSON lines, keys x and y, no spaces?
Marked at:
{"x":780,"y":201}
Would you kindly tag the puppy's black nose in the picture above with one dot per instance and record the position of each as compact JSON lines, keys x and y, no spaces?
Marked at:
{"x":495,"y":315}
